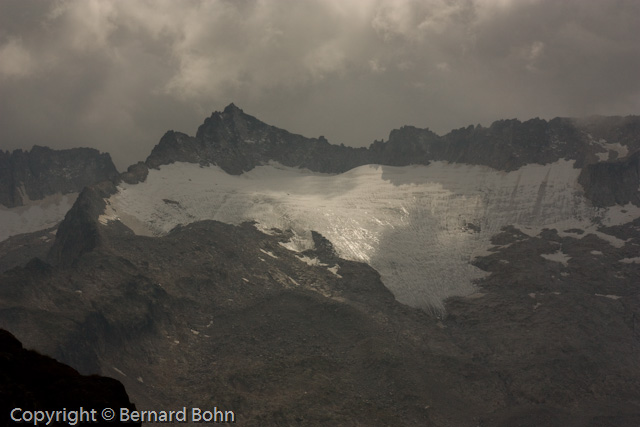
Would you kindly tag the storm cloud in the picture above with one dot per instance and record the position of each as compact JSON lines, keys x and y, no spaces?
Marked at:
{"x":116,"y":75}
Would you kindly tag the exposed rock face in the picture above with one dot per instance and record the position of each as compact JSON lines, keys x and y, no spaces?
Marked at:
{"x":611,"y":183}
{"x":34,"y":174}
{"x":31,"y":381}
{"x":505,"y":145}
{"x":135,"y":173}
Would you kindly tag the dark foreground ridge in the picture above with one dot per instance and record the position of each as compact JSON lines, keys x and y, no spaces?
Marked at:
{"x":33,"y":382}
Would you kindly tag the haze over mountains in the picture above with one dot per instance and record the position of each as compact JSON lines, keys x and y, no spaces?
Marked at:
{"x":283,"y":261}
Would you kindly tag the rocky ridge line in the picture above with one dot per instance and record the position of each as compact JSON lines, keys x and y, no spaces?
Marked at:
{"x":238,"y":142}
{"x":41,"y":172}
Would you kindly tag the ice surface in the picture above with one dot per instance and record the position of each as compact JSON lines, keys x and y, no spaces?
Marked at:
{"x":419,"y":226}
{"x":35,"y":215}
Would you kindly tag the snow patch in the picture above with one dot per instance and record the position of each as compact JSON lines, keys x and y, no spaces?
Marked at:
{"x":635,"y":260}
{"x":268,"y":253}
{"x":315,"y":262}
{"x":558,"y":256}
{"x":35,"y":214}
{"x":616,"y":147}
{"x":299,"y":242}
{"x":109,"y":214}
{"x":334,"y":270}
{"x":612,"y":240}
{"x":294,"y":281}
{"x":618,"y":215}
{"x":614,"y":297}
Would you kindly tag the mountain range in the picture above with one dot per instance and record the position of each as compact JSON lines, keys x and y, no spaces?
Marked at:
{"x":484,"y":277}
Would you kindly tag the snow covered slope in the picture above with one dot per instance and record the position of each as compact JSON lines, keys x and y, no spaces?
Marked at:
{"x":35,"y":215}
{"x":419,"y":226}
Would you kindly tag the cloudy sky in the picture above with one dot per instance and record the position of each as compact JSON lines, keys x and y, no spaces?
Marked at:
{"x":116,"y":75}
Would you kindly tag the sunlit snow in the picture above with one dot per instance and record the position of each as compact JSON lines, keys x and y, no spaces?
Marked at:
{"x":419,"y":226}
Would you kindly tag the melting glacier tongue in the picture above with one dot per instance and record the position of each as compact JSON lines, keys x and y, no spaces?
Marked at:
{"x":418,"y":226}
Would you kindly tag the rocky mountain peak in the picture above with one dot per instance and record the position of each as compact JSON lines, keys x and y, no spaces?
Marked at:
{"x":232,"y":125}
{"x":232,"y":109}
{"x":238,"y":142}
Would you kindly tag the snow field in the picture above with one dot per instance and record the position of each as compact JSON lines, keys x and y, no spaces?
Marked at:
{"x":35,"y":215}
{"x":418,"y":226}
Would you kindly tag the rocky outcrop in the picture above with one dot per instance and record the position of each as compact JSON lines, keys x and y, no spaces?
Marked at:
{"x":35,"y":174}
{"x":611,"y":183}
{"x":79,"y":232}
{"x":135,"y":173}
{"x":34,"y":382}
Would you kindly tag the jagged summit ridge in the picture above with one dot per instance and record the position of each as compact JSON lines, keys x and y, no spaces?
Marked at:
{"x":237,"y":142}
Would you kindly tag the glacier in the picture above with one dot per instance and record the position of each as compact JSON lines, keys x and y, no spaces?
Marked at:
{"x":418,"y":226}
{"x":35,"y":215}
